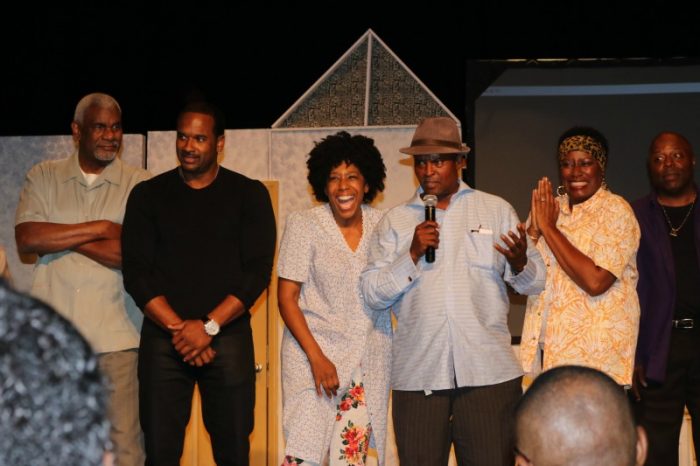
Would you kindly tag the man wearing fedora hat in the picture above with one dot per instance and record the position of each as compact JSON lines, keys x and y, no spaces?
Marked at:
{"x":454,"y":375}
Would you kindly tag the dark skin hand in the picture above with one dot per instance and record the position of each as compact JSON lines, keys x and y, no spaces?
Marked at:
{"x":100,"y":240}
{"x":189,"y":337}
{"x":426,"y":234}
{"x":591,"y":278}
{"x":322,"y":369}
{"x":515,"y":251}
{"x":325,"y":374}
{"x":190,"y":340}
{"x":158,"y":309}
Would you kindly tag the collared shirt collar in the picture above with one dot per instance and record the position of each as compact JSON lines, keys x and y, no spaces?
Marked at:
{"x":417,"y":200}
{"x":112,"y":173}
{"x":590,"y":204}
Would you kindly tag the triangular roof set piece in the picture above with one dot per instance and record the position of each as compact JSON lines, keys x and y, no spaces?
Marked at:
{"x":368,"y":86}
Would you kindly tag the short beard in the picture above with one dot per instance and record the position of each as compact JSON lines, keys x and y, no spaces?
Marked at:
{"x":106,"y":158}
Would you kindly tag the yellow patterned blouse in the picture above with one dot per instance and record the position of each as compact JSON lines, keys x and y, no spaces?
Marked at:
{"x":576,"y":328}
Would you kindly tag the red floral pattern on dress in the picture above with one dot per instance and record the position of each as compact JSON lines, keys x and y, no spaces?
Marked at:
{"x":355,"y":444}
{"x":354,"y":438}
{"x":354,"y":397}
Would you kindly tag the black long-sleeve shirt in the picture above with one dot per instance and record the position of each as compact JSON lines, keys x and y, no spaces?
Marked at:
{"x":195,"y":246}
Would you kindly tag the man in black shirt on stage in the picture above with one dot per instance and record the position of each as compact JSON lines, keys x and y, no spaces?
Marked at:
{"x":197,"y":250}
{"x":667,"y":369}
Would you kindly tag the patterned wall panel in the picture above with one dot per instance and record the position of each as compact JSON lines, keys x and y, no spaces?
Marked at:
{"x":160,"y":155}
{"x":337,"y":101}
{"x":396,"y":98}
{"x":17,"y":155}
{"x":393,"y":97}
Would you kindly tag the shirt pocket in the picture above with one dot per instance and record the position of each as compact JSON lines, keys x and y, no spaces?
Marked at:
{"x":479,"y":250}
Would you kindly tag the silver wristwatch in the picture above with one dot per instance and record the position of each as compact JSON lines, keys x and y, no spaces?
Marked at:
{"x":211,"y":326}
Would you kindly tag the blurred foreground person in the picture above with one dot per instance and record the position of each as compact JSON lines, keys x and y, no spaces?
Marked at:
{"x":52,"y":397}
{"x":577,"y":416}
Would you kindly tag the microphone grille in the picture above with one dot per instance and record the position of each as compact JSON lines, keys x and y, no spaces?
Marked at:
{"x":430,"y":200}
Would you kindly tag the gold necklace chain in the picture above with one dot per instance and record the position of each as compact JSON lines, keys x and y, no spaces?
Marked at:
{"x":674,"y":230}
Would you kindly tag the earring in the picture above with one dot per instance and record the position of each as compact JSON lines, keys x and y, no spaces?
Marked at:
{"x":561,"y":190}
{"x":604,"y":184}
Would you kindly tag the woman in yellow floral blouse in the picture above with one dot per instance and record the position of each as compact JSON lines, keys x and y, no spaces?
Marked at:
{"x":588,"y":313}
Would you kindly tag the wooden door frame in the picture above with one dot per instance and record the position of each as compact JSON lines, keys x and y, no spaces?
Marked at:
{"x":274,"y":330}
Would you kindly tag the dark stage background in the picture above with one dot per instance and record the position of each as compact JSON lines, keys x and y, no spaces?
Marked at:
{"x":256,"y":61}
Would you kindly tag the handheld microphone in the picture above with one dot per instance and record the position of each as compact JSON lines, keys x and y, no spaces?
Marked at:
{"x":430,"y":201}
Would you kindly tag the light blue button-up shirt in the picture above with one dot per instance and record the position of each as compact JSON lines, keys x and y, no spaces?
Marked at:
{"x":452,"y":314}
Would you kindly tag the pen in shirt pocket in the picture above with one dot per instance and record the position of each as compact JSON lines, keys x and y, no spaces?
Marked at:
{"x":481,"y":230}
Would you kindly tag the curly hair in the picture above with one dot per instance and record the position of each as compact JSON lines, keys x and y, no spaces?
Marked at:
{"x":341,"y":147}
{"x":52,"y":395}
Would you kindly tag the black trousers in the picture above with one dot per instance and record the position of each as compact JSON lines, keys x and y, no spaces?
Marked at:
{"x":478,"y":420}
{"x":227,"y":387}
{"x":661,"y":409}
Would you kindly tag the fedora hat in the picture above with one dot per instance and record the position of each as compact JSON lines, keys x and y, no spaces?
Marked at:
{"x":436,"y":135}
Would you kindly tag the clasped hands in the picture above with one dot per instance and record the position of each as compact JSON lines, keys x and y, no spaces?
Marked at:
{"x":544,"y":209}
{"x":192,"y":342}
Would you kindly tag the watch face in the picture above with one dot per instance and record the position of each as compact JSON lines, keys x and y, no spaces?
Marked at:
{"x":211,"y":327}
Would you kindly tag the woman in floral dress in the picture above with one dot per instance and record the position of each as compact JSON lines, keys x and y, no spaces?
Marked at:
{"x":335,"y":351}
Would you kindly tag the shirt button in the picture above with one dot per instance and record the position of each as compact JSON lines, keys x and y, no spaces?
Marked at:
{"x":410,"y":279}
